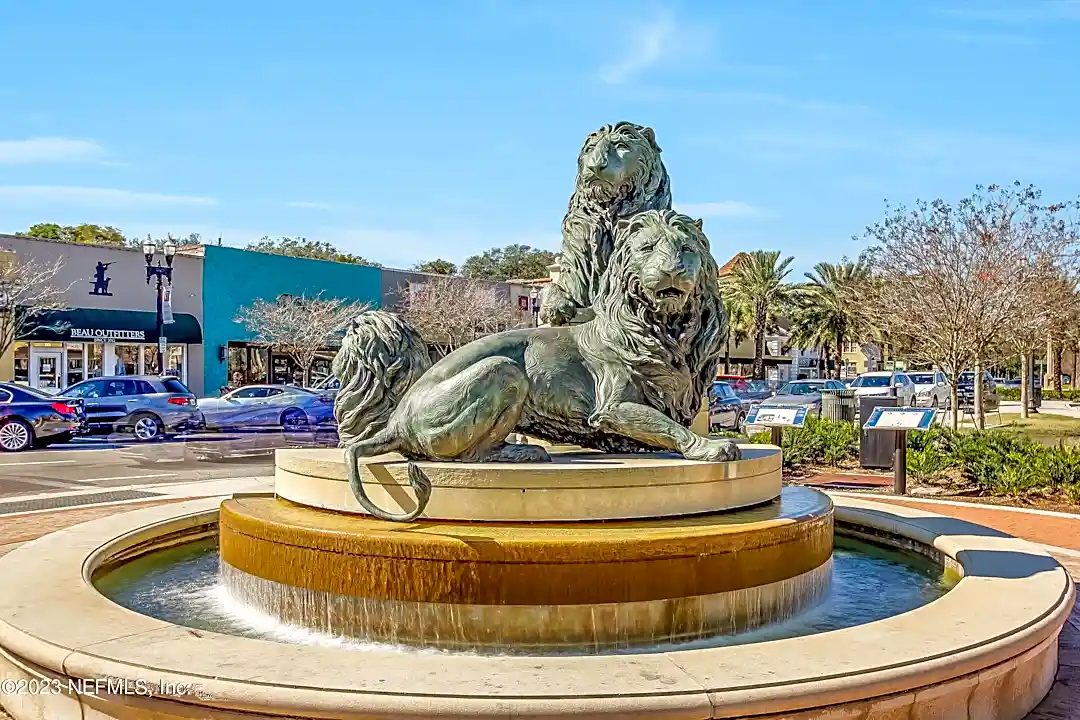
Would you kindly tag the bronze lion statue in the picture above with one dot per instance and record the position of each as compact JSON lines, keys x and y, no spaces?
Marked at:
{"x":619,"y":173}
{"x":630,"y":380}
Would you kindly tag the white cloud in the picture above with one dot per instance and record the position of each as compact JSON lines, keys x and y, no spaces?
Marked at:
{"x":48,"y":150}
{"x":652,"y":41}
{"x":309,"y":205}
{"x":63,"y":195}
{"x":721,"y":209}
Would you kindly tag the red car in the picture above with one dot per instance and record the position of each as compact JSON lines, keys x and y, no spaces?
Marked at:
{"x":738,"y":383}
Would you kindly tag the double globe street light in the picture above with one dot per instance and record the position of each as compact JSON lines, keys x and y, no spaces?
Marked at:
{"x":164,"y":279}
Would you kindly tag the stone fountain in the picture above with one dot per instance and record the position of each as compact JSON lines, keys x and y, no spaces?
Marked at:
{"x":573,"y":568}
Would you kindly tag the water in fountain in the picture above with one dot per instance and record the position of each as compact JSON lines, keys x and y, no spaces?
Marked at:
{"x":184,"y":585}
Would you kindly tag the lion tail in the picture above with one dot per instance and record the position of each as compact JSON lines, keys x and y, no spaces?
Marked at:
{"x":381,"y":357}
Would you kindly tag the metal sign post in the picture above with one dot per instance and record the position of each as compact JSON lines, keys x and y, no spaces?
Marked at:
{"x":776,"y":418}
{"x":899,"y":420}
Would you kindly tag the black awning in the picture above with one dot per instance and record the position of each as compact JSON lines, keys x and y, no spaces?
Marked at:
{"x":89,"y":324}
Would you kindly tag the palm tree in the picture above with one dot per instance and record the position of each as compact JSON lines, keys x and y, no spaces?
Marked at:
{"x":739,"y":319}
{"x":828,"y":307}
{"x":810,"y":332}
{"x":757,"y":282}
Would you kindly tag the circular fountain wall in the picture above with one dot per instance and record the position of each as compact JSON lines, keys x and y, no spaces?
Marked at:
{"x":938,"y":658}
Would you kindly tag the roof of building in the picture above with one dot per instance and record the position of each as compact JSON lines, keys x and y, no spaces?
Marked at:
{"x":729,"y":266}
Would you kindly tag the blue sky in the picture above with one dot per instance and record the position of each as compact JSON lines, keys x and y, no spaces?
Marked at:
{"x":405,"y":131}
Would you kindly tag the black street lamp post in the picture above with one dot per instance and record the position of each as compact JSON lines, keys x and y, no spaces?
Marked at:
{"x":164,"y":276}
{"x":534,"y":296}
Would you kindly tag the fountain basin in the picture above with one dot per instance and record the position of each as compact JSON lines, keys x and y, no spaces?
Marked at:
{"x":594,"y":585}
{"x":579,"y":485}
{"x":986,"y":649}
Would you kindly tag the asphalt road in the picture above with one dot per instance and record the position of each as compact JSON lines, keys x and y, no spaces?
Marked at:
{"x":106,"y":464}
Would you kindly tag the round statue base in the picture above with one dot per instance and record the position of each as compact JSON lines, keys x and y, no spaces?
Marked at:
{"x":583,"y":586}
{"x":574,"y":486}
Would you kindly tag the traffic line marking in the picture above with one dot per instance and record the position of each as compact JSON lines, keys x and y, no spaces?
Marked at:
{"x":39,"y":462}
{"x":121,"y":477}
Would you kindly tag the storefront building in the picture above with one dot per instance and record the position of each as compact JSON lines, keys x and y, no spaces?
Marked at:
{"x":109,"y":325}
{"x":233,"y":279}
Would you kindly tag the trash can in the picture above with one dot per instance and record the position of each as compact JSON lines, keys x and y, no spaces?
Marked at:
{"x":876,"y":448}
{"x":839,"y":405}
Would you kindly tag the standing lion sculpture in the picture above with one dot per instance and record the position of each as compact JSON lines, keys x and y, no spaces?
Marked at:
{"x":629,"y":380}
{"x":619,"y":173}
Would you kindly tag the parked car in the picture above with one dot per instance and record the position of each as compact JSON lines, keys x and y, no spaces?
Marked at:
{"x":932,"y":389}
{"x":738,"y":383}
{"x":329,"y":385}
{"x":31,"y":418}
{"x":267,"y":407}
{"x":885,"y":383}
{"x":726,"y":409}
{"x":1007,"y":383}
{"x":965,"y":391}
{"x":806,"y":393}
{"x":148,"y":407}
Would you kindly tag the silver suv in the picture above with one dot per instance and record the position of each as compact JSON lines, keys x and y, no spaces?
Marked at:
{"x":148,"y":407}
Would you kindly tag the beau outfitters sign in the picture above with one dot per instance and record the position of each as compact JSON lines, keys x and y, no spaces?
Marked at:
{"x":99,"y":334}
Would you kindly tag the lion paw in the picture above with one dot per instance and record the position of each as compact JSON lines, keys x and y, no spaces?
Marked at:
{"x":713,"y":450}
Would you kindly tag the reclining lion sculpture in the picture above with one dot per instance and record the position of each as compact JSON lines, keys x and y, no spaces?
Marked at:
{"x":629,"y":380}
{"x":619,"y":173}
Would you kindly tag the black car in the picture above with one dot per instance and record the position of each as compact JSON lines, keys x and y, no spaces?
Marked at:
{"x":965,"y":391}
{"x":30,"y":418}
{"x":726,"y":409}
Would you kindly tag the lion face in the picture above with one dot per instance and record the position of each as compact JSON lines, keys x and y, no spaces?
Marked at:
{"x":665,"y":256}
{"x":617,"y":157}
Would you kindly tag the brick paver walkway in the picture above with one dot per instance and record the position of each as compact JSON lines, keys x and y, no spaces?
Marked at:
{"x":1063,"y":702}
{"x":1043,"y":529}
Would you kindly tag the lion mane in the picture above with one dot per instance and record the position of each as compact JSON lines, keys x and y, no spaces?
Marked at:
{"x":673,"y":357}
{"x":594,"y":208}
{"x":381,"y":357}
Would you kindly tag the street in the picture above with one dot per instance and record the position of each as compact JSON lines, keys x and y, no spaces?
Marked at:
{"x":112,"y":470}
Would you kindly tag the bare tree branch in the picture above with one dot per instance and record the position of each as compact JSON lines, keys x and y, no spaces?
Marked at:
{"x":27,"y":289}
{"x":969,"y":285}
{"x":451,"y":311}
{"x":299,"y":326}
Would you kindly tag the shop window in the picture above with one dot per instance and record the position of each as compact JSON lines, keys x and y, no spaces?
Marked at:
{"x":94,"y":360}
{"x":76,"y":363}
{"x":247,"y":365}
{"x":174,"y":361}
{"x":149,"y":360}
{"x":22,"y":363}
{"x":127,"y":360}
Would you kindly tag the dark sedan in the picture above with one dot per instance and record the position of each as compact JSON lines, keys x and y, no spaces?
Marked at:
{"x":726,"y":409}
{"x":30,"y":418}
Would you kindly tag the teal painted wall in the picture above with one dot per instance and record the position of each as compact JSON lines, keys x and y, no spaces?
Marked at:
{"x":233,"y":278}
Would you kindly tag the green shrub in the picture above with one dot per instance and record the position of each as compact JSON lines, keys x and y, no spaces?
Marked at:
{"x":1048,"y":394}
{"x":998,"y":462}
{"x":927,"y":464}
{"x":818,"y":442}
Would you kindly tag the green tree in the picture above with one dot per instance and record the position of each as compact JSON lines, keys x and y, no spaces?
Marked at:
{"x":85,"y":233}
{"x":827,"y":312}
{"x":437,"y":267}
{"x":511,"y":262}
{"x":739,"y":326}
{"x":303,"y":248}
{"x":757,"y":282}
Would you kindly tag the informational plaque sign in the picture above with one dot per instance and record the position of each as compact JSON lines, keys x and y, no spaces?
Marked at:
{"x":894,"y":418}
{"x":777,"y":416}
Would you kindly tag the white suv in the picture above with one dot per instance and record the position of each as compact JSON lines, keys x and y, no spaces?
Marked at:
{"x":883,"y":383}
{"x":931,"y":389}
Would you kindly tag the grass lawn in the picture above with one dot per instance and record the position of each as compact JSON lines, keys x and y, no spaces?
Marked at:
{"x":1045,"y":428}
